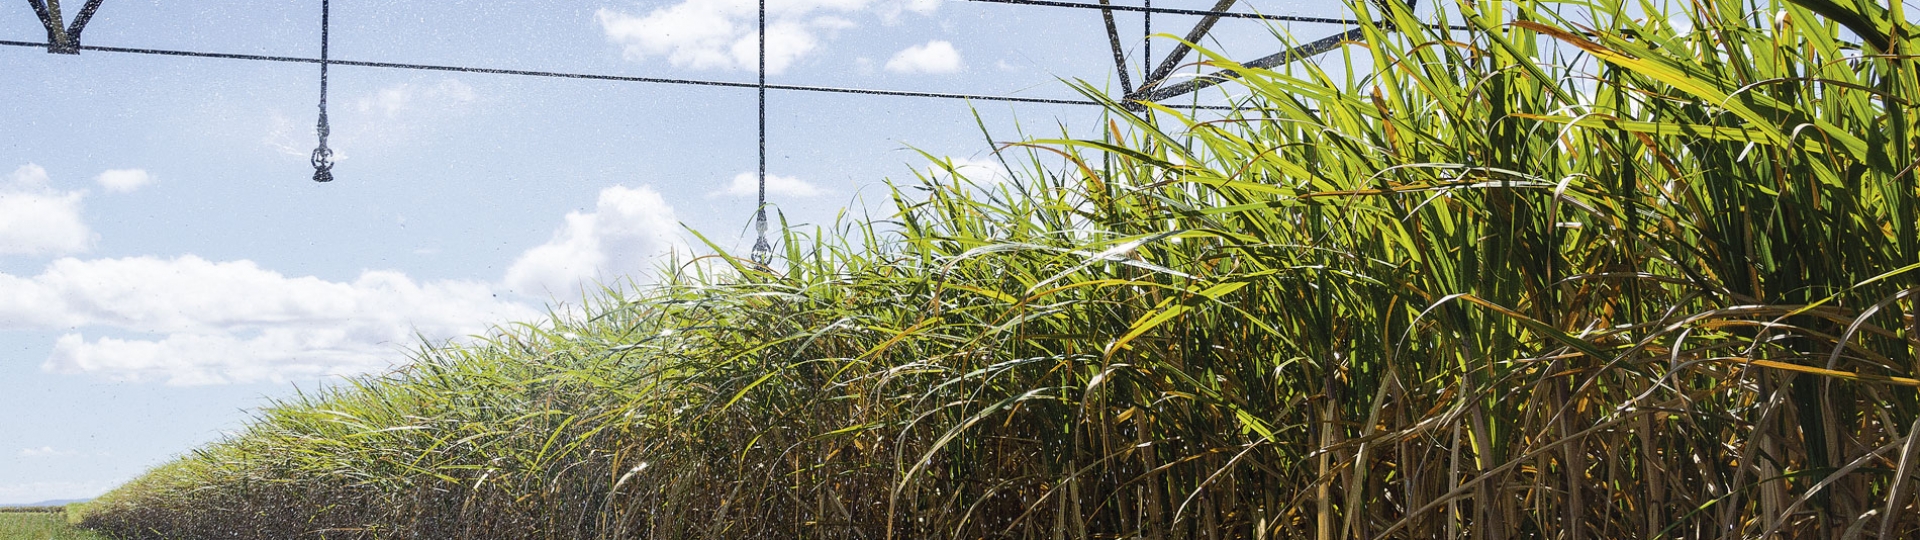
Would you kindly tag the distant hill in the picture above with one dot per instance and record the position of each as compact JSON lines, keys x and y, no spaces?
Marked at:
{"x":59,"y":502}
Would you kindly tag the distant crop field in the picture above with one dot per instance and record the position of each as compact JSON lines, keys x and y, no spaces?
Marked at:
{"x":41,"y":525}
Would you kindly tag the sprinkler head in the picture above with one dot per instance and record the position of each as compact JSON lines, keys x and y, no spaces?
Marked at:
{"x":762,"y":253}
{"x":322,"y":163}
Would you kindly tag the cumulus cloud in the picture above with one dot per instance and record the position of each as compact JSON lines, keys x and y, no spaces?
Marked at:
{"x":278,"y":354}
{"x":931,"y":57}
{"x":123,"y":180}
{"x":36,"y":219}
{"x":892,"y":11}
{"x":234,"y":322}
{"x":190,"y":321}
{"x":747,"y":184}
{"x":723,"y":34}
{"x":628,"y":229}
{"x":43,"y":452}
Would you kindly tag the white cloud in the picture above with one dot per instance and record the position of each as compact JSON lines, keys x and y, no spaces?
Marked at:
{"x":277,"y":354}
{"x":123,"y":180}
{"x":932,"y":57}
{"x":234,"y":322}
{"x":43,"y":452}
{"x":628,"y":230}
{"x":723,"y":34}
{"x":890,"y":12}
{"x":747,"y":184}
{"x":36,"y":219}
{"x":923,"y":7}
{"x":190,"y":321}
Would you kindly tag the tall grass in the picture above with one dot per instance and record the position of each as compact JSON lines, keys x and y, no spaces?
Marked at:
{"x":1584,"y":270}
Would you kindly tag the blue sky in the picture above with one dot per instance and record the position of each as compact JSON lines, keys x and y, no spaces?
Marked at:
{"x":166,"y":264}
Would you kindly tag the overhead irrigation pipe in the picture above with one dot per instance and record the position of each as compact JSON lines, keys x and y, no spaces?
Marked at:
{"x":56,"y":46}
{"x":67,"y":41}
{"x":1119,"y":53}
{"x":566,"y":75}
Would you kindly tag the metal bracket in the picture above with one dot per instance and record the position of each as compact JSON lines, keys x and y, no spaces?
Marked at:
{"x":1150,"y":89}
{"x":1159,"y":74}
{"x":61,"y":38}
{"x":1155,"y":93}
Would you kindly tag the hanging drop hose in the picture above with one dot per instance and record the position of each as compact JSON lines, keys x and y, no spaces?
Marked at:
{"x":323,"y":156}
{"x":762,"y":252}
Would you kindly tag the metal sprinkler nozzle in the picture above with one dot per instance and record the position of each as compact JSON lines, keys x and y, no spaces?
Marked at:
{"x":323,"y":164}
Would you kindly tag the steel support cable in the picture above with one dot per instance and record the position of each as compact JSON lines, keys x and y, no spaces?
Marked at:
{"x":63,"y":39}
{"x":50,"y":18}
{"x":1203,"y":82}
{"x":55,"y":34}
{"x":1180,"y":50}
{"x":762,"y":253}
{"x":80,"y":22}
{"x":1150,"y":92}
{"x":323,"y":156}
{"x":1119,"y":55}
